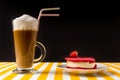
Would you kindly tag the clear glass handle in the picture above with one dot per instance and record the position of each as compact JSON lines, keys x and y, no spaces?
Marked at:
{"x":43,"y":52}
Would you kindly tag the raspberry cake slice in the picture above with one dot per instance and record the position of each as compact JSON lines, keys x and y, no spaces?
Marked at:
{"x":76,"y":62}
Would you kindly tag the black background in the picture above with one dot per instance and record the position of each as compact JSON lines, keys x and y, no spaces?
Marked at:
{"x":91,"y":28}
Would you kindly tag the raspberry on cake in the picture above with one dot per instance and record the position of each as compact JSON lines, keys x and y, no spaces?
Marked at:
{"x":76,"y":62}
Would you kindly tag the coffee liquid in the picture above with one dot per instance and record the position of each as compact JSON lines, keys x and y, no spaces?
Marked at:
{"x":24,"y":47}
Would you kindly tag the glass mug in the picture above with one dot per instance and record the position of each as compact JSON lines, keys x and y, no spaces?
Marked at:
{"x":25,"y":29}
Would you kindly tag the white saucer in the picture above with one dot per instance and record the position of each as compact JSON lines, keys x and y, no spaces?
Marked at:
{"x":99,"y":68}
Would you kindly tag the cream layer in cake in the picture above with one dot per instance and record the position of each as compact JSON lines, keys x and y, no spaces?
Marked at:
{"x":81,"y":64}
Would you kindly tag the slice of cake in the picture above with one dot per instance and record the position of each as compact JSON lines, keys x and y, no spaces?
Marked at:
{"x":76,"y":62}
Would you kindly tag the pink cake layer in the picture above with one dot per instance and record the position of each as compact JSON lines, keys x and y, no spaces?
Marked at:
{"x":81,"y":59}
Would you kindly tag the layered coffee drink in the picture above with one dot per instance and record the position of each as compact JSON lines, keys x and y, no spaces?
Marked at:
{"x":25,"y":30}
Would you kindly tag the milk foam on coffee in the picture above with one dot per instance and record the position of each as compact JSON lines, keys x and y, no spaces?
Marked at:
{"x":25,"y":22}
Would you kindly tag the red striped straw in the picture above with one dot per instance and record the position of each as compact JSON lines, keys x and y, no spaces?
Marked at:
{"x":49,"y":14}
{"x":48,"y":9}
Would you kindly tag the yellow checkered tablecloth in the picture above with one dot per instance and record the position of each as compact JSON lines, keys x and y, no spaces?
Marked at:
{"x":50,"y":71}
